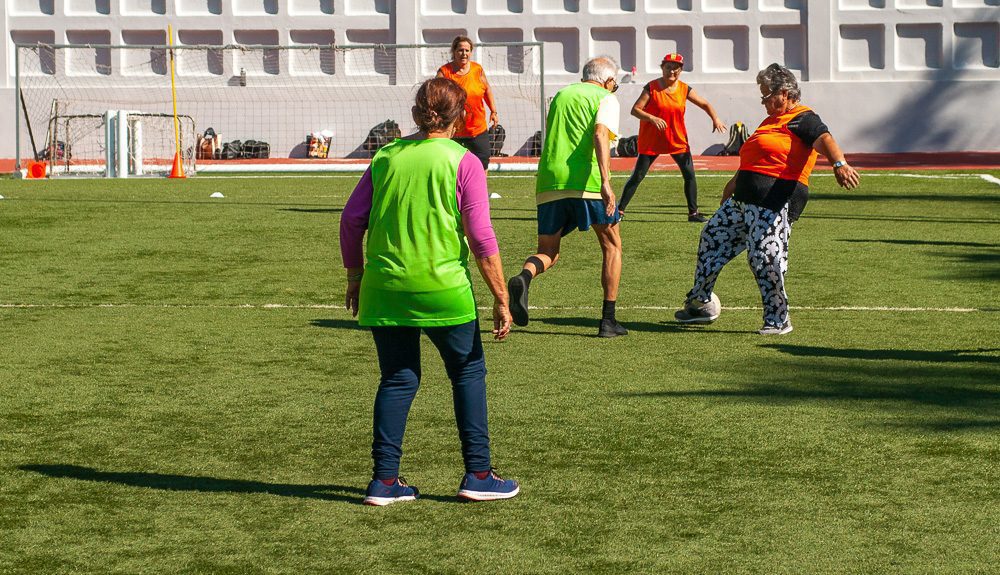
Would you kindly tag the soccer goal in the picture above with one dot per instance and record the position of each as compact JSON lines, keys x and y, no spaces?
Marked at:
{"x":108,"y":111}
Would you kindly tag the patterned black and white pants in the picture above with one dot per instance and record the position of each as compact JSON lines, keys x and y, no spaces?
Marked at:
{"x":764,"y":234}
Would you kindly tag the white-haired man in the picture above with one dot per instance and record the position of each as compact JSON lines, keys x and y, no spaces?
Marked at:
{"x":573,"y":186}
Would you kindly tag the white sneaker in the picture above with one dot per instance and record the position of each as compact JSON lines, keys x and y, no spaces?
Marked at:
{"x":700,"y":312}
{"x":776,"y":329}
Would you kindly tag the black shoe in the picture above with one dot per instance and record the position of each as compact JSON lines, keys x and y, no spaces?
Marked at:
{"x":611,"y":328}
{"x":697,"y":217}
{"x":517,"y":291}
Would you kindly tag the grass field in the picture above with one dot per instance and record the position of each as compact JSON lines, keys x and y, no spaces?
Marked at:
{"x":179,"y":392}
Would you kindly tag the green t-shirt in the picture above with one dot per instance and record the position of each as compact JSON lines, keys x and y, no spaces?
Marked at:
{"x":417,"y":257}
{"x":569,"y":160}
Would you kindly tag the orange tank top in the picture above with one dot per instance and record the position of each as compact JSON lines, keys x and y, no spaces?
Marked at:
{"x":774,"y":151}
{"x":475,"y":93}
{"x":670,"y":107}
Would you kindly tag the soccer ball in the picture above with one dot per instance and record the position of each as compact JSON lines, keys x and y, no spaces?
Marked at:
{"x":713,"y":307}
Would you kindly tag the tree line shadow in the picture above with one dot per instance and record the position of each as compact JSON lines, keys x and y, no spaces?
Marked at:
{"x":982,"y":259}
{"x":959,"y":380}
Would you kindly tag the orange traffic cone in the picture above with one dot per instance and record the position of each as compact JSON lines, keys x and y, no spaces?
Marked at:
{"x":178,"y":170}
{"x":36,"y":170}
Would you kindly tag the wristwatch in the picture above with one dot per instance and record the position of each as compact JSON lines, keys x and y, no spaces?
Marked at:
{"x":838,"y":165}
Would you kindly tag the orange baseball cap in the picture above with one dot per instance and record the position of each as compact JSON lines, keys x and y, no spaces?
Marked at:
{"x":673,"y":57}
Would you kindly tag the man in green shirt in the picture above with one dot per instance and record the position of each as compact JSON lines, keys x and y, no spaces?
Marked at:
{"x":573,"y":186}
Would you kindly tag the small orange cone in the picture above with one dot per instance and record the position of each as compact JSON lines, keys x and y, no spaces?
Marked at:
{"x":178,"y":170}
{"x":36,"y":170}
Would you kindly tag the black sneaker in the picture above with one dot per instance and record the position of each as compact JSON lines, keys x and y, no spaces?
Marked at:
{"x":611,"y":328}
{"x":517,"y":291}
{"x":697,"y":217}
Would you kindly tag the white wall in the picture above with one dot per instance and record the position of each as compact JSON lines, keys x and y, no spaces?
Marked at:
{"x":886,"y":75}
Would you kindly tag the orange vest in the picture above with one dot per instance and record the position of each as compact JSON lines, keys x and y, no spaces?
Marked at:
{"x":475,"y":92}
{"x":773,"y":151}
{"x":670,"y":107}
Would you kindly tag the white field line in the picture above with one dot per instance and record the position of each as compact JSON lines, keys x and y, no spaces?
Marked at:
{"x":990,"y":179}
{"x":892,"y":309}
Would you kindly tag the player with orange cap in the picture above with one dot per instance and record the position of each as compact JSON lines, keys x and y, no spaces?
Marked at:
{"x":660,"y":109}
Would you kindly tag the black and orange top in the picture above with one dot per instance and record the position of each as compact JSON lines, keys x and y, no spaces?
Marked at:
{"x":778,"y":158}
{"x":670,"y":106}
{"x":475,"y":92}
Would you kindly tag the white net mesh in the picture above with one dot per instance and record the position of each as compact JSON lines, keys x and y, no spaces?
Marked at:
{"x":275,"y":97}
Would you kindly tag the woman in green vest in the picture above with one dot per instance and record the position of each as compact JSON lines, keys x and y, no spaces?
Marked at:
{"x":424,"y":205}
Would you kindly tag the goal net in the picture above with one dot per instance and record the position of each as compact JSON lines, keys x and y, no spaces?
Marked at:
{"x":108,"y":111}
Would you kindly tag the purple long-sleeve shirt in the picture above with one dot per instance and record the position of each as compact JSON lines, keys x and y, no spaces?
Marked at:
{"x":473,"y":203}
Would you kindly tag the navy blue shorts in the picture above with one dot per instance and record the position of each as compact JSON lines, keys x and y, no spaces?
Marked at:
{"x":563,"y":216}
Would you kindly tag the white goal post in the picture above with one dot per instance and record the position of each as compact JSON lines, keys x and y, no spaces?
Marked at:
{"x":106,"y":110}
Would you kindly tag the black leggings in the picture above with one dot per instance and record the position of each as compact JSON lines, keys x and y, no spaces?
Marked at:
{"x":642,"y":164}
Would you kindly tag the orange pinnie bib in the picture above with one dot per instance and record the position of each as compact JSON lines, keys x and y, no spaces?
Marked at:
{"x":475,"y":92}
{"x":670,"y":107}
{"x":773,"y":151}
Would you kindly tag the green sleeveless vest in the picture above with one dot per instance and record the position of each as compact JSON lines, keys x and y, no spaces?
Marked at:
{"x":568,"y":160}
{"x":417,"y":257}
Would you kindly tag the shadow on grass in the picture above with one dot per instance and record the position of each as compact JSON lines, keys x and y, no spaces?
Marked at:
{"x":313,"y":210}
{"x":946,"y":198}
{"x":171,"y":482}
{"x":919,"y":219}
{"x":942,"y":397}
{"x":637,"y":326}
{"x":983,"y":258}
{"x":338,"y":324}
{"x":953,"y":355}
{"x":922,"y":243}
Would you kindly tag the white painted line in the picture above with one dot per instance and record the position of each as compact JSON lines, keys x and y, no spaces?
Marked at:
{"x":893,"y":309}
{"x":990,"y":179}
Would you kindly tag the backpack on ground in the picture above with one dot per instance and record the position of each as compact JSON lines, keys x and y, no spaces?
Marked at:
{"x":498,"y":135}
{"x":231,"y":150}
{"x":255,"y":150}
{"x":738,"y":134}
{"x":381,"y":135}
{"x":628,"y":147}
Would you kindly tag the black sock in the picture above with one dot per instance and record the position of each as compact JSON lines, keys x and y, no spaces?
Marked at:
{"x":527,"y":277}
{"x":608,"y":310}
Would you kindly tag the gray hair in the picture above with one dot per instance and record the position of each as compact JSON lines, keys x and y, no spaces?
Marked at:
{"x":599,"y":69}
{"x":777,"y":78}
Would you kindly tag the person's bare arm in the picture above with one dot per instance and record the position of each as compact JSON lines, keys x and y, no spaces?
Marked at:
{"x":490,"y":102}
{"x":847,"y":176}
{"x":491,"y":268}
{"x":602,"y":146}
{"x":644,"y":116}
{"x":696,"y":99}
{"x":728,"y":190}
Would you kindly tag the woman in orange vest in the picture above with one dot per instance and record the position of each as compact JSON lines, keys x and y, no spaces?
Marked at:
{"x":763,"y":198}
{"x":470,"y":76}
{"x":660,"y":109}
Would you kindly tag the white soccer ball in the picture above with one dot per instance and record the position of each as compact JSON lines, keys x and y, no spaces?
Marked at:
{"x":713,"y":307}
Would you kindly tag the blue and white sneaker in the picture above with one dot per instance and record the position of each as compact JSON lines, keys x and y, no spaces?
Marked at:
{"x":380,"y":494}
{"x":491,"y":488}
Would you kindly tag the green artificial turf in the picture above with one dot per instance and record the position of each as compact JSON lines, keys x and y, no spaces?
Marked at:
{"x":180,"y":394}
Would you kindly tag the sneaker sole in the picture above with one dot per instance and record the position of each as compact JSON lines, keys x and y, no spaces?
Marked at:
{"x":782,"y":331}
{"x":696,"y":319}
{"x":383,"y":501}
{"x":610,"y":334}
{"x":518,"y":300}
{"x":466,"y":495}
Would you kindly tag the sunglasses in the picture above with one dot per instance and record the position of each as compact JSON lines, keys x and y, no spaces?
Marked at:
{"x":769,"y":96}
{"x":614,"y":85}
